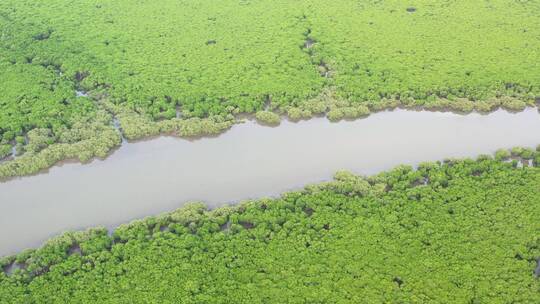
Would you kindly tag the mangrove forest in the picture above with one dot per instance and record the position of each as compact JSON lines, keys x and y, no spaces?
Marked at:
{"x":456,"y":231}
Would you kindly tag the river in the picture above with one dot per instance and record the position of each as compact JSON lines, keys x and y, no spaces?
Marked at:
{"x":248,"y":161}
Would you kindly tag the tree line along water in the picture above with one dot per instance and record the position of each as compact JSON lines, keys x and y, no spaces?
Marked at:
{"x":457,"y":231}
{"x":69,"y":69}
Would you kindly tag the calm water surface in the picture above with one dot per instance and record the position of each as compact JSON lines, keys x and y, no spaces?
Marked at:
{"x":249,"y":161}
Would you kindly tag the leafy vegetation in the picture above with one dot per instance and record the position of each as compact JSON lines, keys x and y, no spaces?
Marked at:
{"x":269,"y":118}
{"x":458,"y":231}
{"x":175,"y":66}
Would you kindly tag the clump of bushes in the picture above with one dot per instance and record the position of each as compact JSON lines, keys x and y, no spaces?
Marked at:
{"x":267,"y":117}
{"x":88,"y":138}
{"x":5,"y":150}
{"x":351,"y":112}
{"x":296,"y":114}
{"x":502,"y":154}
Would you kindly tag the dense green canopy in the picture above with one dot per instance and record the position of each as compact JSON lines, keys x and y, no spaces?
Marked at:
{"x":454,"y":232}
{"x":155,"y":64}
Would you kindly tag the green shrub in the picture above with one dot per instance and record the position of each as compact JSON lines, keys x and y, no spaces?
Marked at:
{"x":502,"y":154}
{"x":267,"y":117}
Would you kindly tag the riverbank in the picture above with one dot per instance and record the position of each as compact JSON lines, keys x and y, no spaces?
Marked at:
{"x":105,"y":136}
{"x":248,"y":161}
{"x":413,"y":227}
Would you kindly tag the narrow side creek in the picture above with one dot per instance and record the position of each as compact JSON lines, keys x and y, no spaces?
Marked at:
{"x":248,"y":161}
{"x":118,"y":127}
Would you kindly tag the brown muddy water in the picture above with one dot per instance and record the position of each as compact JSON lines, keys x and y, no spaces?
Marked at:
{"x":249,"y":161}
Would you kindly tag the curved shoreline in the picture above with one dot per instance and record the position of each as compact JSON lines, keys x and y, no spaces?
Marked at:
{"x":249,"y":161}
{"x":517,"y":157}
{"x":6,"y":176}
